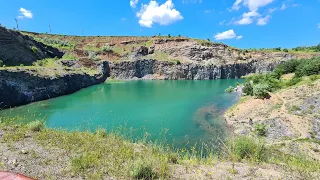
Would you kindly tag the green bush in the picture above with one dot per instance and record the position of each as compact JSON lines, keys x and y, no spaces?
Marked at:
{"x":261,"y":90}
{"x":248,"y":89}
{"x":178,"y":62}
{"x":106,"y":49}
{"x":1,"y":63}
{"x":293,"y":81}
{"x":244,"y":147}
{"x":308,"y":67}
{"x":21,"y":65}
{"x":142,"y":170}
{"x":260,"y":129}
{"x":35,"y":126}
{"x":229,"y":89}
{"x":285,"y":50}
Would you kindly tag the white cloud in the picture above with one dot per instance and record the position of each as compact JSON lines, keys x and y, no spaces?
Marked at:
{"x":23,"y":13}
{"x":263,"y":21}
{"x":207,"y":11}
{"x":222,"y":22}
{"x":239,"y":37}
{"x":271,"y":10}
{"x":244,"y":21}
{"x":283,"y":7}
{"x":253,"y":5}
{"x":164,"y":14}
{"x":236,"y":5}
{"x":247,"y":18}
{"x":133,"y":3}
{"x":256,"y":4}
{"x":230,"y":34}
{"x":319,"y":25}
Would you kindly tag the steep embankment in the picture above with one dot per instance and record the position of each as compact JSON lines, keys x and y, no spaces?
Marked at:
{"x":153,"y":69}
{"x":16,"y":49}
{"x":19,"y":86}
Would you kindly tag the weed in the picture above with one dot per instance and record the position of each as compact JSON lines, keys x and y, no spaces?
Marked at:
{"x":143,"y":170}
{"x":244,"y":147}
{"x":229,"y":89}
{"x":35,"y":126}
{"x":260,"y":129}
{"x":101,"y":132}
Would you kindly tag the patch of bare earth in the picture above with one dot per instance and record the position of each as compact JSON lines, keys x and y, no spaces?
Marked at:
{"x":227,"y":170}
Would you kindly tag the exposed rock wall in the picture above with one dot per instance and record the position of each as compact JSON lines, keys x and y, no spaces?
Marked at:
{"x":19,"y":87}
{"x":152,"y":69}
{"x":16,"y":49}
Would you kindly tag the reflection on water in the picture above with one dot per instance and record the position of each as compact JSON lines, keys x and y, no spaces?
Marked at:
{"x":188,"y":111}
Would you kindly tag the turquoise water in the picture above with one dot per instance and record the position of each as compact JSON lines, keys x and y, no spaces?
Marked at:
{"x":188,"y":111}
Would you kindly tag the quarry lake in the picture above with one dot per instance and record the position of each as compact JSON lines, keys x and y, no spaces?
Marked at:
{"x":182,"y":112}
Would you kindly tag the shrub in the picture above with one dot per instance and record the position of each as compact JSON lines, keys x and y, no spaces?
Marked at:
{"x":261,"y":90}
{"x":308,"y":67}
{"x":169,"y":35}
{"x":248,"y":89}
{"x":35,"y":126}
{"x":21,"y":65}
{"x":229,"y":89}
{"x":178,"y":62}
{"x":1,"y":63}
{"x":244,"y":147}
{"x":106,"y":49}
{"x":68,"y":56}
{"x":141,"y":170}
{"x":285,"y":50}
{"x":293,"y":81}
{"x":260,"y":129}
{"x":93,"y":56}
{"x":34,"y":49}
{"x":277,"y":49}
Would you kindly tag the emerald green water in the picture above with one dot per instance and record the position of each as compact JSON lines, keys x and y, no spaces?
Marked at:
{"x":190,"y":111}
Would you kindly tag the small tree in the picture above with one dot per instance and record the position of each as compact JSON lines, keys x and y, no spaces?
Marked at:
{"x":1,"y":63}
{"x":209,"y":39}
{"x":285,"y":50}
{"x":169,"y":35}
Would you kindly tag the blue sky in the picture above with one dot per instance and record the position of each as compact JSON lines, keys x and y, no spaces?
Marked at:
{"x":239,"y":23}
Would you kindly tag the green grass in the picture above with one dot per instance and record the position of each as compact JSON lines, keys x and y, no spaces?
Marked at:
{"x":94,"y":154}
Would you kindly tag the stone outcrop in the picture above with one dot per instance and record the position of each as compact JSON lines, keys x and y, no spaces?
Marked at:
{"x":16,"y":49}
{"x":152,"y":69}
{"x":19,"y":87}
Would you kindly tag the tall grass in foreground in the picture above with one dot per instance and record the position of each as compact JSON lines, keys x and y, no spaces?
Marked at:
{"x":94,"y":154}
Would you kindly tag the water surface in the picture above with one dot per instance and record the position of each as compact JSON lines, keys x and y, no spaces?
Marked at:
{"x":189,"y":111}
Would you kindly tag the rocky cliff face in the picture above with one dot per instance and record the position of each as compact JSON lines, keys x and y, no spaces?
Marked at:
{"x":19,"y":87}
{"x":16,"y":49}
{"x":152,"y":69}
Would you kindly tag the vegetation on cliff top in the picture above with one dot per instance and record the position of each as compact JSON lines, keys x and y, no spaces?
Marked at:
{"x":260,"y":84}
